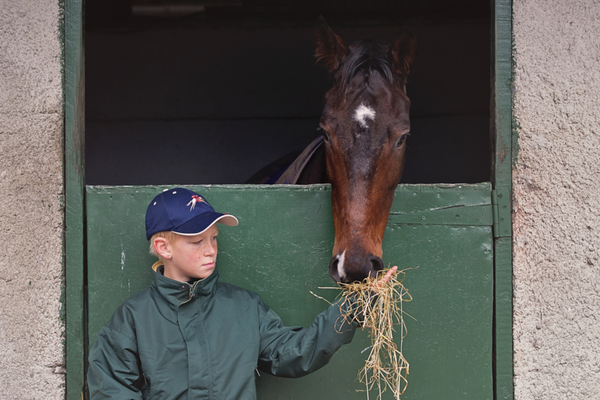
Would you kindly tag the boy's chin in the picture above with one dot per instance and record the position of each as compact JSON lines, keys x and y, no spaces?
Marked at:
{"x":205,"y":273}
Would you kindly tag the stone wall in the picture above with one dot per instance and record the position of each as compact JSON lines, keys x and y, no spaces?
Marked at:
{"x":31,"y":209}
{"x":556,"y":181}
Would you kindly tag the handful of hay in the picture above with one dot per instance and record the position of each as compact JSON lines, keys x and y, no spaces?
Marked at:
{"x":377,"y":307}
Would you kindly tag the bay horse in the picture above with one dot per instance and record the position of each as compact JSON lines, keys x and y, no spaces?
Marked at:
{"x":364,"y":126}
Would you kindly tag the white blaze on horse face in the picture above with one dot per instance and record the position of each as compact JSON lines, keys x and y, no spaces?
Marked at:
{"x":340,"y":266}
{"x":362,"y":113}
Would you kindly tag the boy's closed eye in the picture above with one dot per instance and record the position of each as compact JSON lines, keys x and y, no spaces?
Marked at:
{"x":199,"y":241}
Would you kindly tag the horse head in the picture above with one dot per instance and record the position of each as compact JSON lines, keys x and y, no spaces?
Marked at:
{"x":365,"y":123}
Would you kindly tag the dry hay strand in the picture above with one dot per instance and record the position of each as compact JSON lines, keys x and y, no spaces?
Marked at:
{"x":378,"y":308}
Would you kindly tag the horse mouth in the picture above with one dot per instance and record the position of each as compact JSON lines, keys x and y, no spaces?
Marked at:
{"x":344,"y":271}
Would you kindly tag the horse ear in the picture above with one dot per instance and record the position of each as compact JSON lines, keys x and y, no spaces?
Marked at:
{"x":403,"y":52}
{"x":331,"y":49}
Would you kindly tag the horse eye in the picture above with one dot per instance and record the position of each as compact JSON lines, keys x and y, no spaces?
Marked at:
{"x":324,"y":133}
{"x":402,"y":139}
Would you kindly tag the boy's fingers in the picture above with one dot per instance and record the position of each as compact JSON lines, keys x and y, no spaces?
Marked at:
{"x":386,"y":278}
{"x":391,"y":272}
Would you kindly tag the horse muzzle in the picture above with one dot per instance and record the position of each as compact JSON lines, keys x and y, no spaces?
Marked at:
{"x":347,"y":268}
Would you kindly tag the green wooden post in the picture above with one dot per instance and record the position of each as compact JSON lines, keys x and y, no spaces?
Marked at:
{"x":501,"y":196}
{"x":74,"y":189}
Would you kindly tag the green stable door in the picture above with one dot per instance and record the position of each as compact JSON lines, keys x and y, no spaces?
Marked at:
{"x":453,"y":240}
{"x":440,"y":234}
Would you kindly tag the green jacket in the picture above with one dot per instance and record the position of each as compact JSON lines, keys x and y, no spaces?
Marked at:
{"x":205,"y":340}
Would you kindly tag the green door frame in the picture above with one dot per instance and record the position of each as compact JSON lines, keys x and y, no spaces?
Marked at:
{"x":501,"y":196}
{"x":74,"y":300}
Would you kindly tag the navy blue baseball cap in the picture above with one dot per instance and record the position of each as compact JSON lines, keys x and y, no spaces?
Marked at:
{"x":184,"y":212}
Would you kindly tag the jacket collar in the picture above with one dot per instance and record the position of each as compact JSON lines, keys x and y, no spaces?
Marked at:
{"x":178,"y":293}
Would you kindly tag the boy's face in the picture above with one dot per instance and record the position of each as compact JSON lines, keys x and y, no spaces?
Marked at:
{"x":192,"y":257}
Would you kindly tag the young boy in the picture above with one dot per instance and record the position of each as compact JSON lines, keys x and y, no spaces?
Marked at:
{"x":189,"y":336}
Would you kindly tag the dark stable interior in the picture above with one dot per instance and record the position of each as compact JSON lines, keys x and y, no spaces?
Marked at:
{"x":209,"y":92}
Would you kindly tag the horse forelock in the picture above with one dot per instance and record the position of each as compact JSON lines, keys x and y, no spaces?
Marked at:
{"x":365,"y":57}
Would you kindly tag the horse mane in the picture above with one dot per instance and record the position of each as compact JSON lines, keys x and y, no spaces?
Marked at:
{"x":365,"y":57}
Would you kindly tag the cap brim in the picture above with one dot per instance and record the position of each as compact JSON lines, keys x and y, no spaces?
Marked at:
{"x":202,"y":222}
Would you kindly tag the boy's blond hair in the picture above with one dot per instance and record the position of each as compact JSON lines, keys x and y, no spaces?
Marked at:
{"x":170,"y":236}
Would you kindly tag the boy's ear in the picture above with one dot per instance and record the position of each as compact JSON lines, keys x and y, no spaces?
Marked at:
{"x":161,"y":245}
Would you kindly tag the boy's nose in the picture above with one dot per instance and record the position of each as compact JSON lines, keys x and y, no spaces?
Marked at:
{"x":210,"y":249}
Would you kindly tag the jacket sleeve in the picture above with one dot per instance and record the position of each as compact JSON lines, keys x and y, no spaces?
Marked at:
{"x":114,"y":371}
{"x":297,"y":351}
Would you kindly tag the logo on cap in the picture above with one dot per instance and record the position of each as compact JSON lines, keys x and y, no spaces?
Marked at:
{"x":195,"y":199}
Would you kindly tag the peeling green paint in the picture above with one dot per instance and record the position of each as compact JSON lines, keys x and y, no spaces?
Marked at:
{"x":62,"y":312}
{"x":515,"y":125}
{"x":516,"y":130}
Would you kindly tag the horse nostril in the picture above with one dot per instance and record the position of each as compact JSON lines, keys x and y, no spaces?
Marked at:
{"x":375,"y":263}
{"x":333,"y":269}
